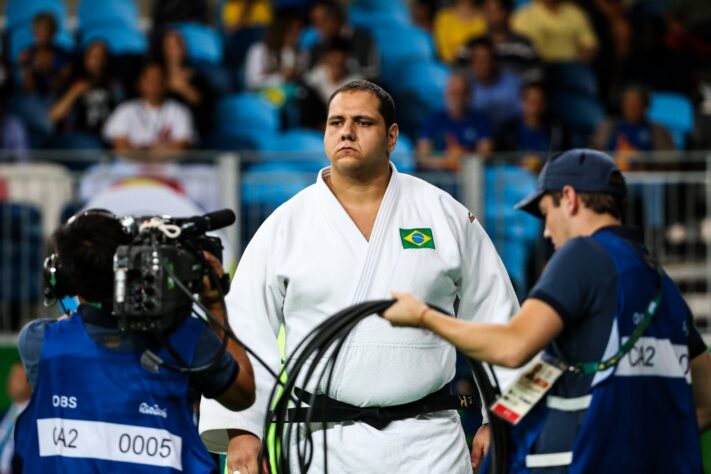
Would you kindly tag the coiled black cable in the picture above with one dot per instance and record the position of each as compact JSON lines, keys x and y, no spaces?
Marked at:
{"x":321,"y":347}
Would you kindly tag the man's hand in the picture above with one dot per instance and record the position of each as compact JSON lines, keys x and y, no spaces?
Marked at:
{"x":209,"y":295}
{"x":407,"y":310}
{"x":243,"y":453}
{"x":480,"y":445}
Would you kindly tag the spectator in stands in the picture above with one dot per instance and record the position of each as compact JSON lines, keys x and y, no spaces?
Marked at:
{"x":614,"y":32}
{"x":44,"y":68}
{"x":238,"y":14}
{"x":322,"y":81}
{"x":495,"y":91}
{"x":174,"y":11}
{"x":422,"y":13}
{"x":275,"y":62}
{"x":534,"y":134}
{"x":458,"y":130}
{"x":654,"y":64}
{"x":513,"y":52}
{"x":454,"y":25}
{"x":329,"y":19}
{"x":151,"y":123}
{"x":14,"y":142}
{"x":559,"y":30}
{"x":185,"y":84}
{"x":632,"y":132}
{"x":19,"y":392}
{"x":90,"y":97}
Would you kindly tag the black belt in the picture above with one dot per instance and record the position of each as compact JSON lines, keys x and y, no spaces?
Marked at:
{"x":324,"y":409}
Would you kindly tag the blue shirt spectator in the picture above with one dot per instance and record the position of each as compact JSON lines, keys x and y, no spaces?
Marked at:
{"x":494,"y":91}
{"x":449,"y":134}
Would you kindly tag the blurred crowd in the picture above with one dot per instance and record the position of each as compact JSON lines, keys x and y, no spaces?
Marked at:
{"x":525,"y":76}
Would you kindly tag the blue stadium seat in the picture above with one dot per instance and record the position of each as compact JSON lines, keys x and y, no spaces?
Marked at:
{"x":118,"y":40}
{"x":399,"y":45}
{"x":506,"y":185}
{"x":203,"y":42}
{"x":572,"y":77}
{"x":404,"y":154}
{"x":309,"y":37}
{"x":21,"y":252}
{"x":424,"y":80}
{"x":246,"y":111}
{"x":241,"y":140}
{"x":675,"y":112}
{"x":19,"y":13}
{"x":110,"y":13}
{"x":369,"y":19}
{"x":297,"y":149}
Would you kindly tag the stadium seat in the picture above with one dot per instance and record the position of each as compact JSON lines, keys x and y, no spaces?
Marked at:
{"x":399,"y":45}
{"x":309,"y":37}
{"x":572,"y":77}
{"x":118,"y":40}
{"x":370,"y":19}
{"x":246,"y":111}
{"x":300,"y":150}
{"x":424,"y":80}
{"x":202,"y":42}
{"x":241,"y":140}
{"x":19,"y":13}
{"x":675,"y":112}
{"x":404,"y":154}
{"x":21,"y":253}
{"x":117,"y":14}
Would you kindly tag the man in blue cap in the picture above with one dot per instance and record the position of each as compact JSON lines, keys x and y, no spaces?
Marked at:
{"x":624,"y":381}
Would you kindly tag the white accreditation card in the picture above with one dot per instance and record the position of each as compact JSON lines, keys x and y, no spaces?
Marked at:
{"x":523,"y":395}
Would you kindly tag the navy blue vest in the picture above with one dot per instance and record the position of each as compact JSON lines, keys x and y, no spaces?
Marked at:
{"x":95,"y":410}
{"x":639,"y":415}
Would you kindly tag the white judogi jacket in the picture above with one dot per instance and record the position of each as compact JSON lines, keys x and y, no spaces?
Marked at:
{"x":309,"y":260}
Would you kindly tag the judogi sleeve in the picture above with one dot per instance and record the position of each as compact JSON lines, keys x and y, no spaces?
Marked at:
{"x":254,"y":307}
{"x":485,"y":291}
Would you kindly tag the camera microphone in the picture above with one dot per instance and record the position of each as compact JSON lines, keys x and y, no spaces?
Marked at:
{"x":210,"y":221}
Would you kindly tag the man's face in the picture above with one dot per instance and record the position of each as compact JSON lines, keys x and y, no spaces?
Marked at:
{"x":496,"y":15}
{"x":533,"y":102}
{"x":457,"y":95}
{"x":482,"y":63}
{"x":556,"y":221}
{"x":355,"y":139}
{"x":152,"y":84}
{"x":327,"y":25}
{"x":633,"y":108}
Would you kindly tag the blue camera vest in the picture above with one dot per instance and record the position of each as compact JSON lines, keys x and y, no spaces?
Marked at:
{"x":639,"y":415}
{"x":95,"y":410}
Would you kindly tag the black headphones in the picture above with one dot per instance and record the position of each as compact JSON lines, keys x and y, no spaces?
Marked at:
{"x":58,"y":285}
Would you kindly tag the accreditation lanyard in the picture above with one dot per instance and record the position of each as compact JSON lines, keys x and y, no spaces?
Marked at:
{"x":537,"y":380}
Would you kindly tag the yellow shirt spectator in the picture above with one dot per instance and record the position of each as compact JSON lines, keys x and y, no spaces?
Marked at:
{"x":259,"y":14}
{"x":451,"y":31}
{"x":560,"y":31}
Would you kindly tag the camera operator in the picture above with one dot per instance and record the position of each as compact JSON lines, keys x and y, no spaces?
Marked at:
{"x":95,"y":408}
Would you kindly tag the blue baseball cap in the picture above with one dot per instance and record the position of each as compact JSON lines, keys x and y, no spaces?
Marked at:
{"x":587,"y":171}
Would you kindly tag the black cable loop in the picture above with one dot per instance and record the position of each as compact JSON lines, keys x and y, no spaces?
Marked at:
{"x":317,"y":344}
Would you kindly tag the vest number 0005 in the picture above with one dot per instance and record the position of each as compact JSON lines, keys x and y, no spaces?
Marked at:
{"x":149,"y":445}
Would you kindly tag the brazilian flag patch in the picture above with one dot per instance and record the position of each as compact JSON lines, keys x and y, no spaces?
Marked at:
{"x":417,"y":238}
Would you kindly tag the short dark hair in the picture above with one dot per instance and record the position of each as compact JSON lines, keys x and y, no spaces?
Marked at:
{"x":333,"y":9}
{"x":47,"y":18}
{"x":86,"y":246}
{"x":640,"y":89}
{"x":600,"y":203}
{"x":386,"y":105}
{"x":481,"y":41}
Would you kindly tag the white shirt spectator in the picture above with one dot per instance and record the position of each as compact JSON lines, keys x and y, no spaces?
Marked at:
{"x":145,"y":125}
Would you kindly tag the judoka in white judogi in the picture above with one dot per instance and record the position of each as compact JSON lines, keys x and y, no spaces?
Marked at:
{"x":309,"y":260}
